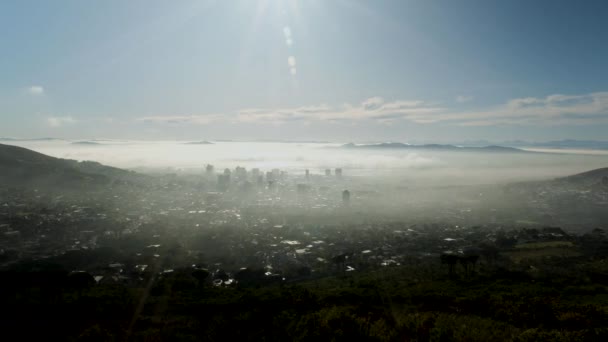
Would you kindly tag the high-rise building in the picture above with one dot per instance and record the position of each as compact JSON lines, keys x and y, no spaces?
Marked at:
{"x":276,"y":173}
{"x":338,"y":172}
{"x":209,"y":168}
{"x":223,"y":182}
{"x":227,"y":174}
{"x":307,"y":174}
{"x":255,"y":173}
{"x":240,"y":173}
{"x":346,"y":197}
{"x":269,"y":176}
{"x":328,"y":172}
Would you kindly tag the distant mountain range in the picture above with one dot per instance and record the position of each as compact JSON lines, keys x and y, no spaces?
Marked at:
{"x":435,"y":147}
{"x":203,"y":142}
{"x":481,"y":144}
{"x":90,"y":143}
{"x":32,"y":139}
{"x":557,"y":144}
{"x":22,"y":167}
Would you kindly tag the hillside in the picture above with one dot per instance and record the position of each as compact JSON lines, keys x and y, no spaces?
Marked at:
{"x":22,"y":167}
{"x":593,"y":177}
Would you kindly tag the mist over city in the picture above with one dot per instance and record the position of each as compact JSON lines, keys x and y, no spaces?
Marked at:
{"x":283,"y":170}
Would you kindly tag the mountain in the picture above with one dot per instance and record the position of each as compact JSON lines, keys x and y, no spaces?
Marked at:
{"x":203,"y":142}
{"x":593,"y":177}
{"x":20,"y":167}
{"x":435,"y":147}
{"x":86,"y":143}
{"x":33,"y":139}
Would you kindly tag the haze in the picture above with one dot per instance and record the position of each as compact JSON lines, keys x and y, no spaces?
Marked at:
{"x":407,"y":167}
{"x":304,"y":170}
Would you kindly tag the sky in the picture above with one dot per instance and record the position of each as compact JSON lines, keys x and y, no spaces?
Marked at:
{"x":411,"y":71}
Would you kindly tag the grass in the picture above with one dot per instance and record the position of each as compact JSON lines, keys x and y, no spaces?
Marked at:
{"x":562,"y":249}
{"x":538,"y":245}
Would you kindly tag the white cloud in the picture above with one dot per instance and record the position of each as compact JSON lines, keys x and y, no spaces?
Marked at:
{"x":372,"y":103}
{"x":182,"y":119}
{"x":58,"y":121}
{"x":463,"y":99}
{"x":548,"y":111}
{"x":36,"y":90}
{"x":375,"y":108}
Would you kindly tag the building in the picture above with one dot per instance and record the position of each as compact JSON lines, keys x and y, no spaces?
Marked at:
{"x":240,"y":173}
{"x":346,"y":197}
{"x":276,"y":173}
{"x":223,"y":182}
{"x":269,"y":176}
{"x":255,"y":173}
{"x":338,"y":172}
{"x":303,"y":189}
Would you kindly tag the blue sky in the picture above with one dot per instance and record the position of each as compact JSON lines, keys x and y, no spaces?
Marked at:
{"x":287,"y":69}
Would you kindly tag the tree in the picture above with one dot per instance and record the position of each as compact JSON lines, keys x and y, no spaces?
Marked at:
{"x":80,"y":280}
{"x":201,"y":275}
{"x":467,"y":260}
{"x":451,"y":260}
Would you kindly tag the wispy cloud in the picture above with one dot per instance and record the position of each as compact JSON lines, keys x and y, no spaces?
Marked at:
{"x":545,"y":111}
{"x":182,"y":119}
{"x":551,"y":110}
{"x":35,"y":90}
{"x":463,"y":99}
{"x":59,"y":121}
{"x":375,"y":108}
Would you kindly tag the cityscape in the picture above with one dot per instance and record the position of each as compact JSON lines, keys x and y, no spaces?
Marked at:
{"x":304,"y":170}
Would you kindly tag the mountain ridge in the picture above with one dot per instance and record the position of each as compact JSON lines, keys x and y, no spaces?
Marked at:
{"x":23,"y":167}
{"x":440,"y":147}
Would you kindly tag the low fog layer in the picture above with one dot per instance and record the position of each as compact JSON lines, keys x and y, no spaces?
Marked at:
{"x":405,"y":166}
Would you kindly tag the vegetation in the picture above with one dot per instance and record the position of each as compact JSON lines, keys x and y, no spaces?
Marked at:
{"x":414,"y":302}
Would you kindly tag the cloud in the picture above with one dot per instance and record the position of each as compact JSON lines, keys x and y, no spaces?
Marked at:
{"x":548,"y":111}
{"x":182,"y":119}
{"x":59,"y":121}
{"x":35,"y":90}
{"x":375,"y":108}
{"x":463,"y":99}
{"x":552,"y":110}
{"x":372,"y":103}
